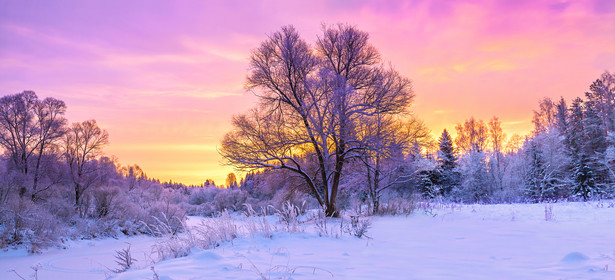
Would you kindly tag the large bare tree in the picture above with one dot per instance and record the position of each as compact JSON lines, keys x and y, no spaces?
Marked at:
{"x":83,"y":143}
{"x":51,"y":127}
{"x":18,"y":131}
{"x":30,"y":128}
{"x":311,"y":100}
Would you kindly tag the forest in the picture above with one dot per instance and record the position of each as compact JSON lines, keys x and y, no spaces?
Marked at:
{"x":333,"y":130}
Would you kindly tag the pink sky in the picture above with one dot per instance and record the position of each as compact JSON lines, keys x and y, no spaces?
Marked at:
{"x":165,"y":77}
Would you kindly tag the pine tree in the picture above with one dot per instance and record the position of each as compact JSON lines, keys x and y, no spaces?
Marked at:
{"x":447,"y":176}
{"x":561,"y":116}
{"x":446,"y":155}
{"x":574,"y":133}
{"x":581,"y":177}
{"x":602,"y":95}
{"x":584,"y":183}
{"x":534,"y":179}
{"x":586,"y":140}
{"x":594,"y":148}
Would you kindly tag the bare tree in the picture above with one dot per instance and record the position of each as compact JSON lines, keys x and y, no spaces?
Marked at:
{"x":132,"y":174}
{"x":496,"y":137}
{"x":545,"y":118}
{"x":311,"y":101}
{"x":389,"y":144}
{"x":231,"y":180}
{"x":18,"y":132}
{"x":83,"y":143}
{"x":471,"y":136}
{"x":602,"y":93}
{"x":51,"y":127}
{"x":29,"y":128}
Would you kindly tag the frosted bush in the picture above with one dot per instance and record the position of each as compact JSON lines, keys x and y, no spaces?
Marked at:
{"x":257,"y":223}
{"x":170,"y":214}
{"x":208,"y":234}
{"x":231,"y":199}
{"x":289,"y":216}
{"x":212,"y":232}
{"x":203,"y":195}
{"x":103,"y":199}
{"x":24,"y":223}
{"x":358,"y":226}
{"x":398,"y":206}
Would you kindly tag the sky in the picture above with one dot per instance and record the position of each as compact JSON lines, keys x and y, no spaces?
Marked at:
{"x":164,"y":78}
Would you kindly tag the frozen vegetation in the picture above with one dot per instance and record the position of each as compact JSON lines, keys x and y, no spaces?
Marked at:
{"x":566,"y":240}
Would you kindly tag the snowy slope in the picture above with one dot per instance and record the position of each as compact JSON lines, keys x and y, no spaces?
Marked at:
{"x":449,"y":242}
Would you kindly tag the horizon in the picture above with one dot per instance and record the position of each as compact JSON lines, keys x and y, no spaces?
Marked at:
{"x":164,"y":79}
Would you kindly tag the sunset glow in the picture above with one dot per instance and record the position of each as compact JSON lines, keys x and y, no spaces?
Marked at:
{"x":164,"y":78}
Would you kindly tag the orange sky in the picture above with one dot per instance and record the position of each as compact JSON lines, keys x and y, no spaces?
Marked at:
{"x":165,"y":77}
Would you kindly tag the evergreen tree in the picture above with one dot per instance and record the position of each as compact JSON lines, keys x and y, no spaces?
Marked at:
{"x":476,"y":181}
{"x":561,"y":116}
{"x":546,"y":175}
{"x":602,"y":95}
{"x":583,"y":175}
{"x":446,"y":174}
{"x":595,"y":146}
{"x":446,"y":155}
{"x":587,"y":145}
{"x":574,"y":140}
{"x":594,"y":132}
{"x":536,"y":172}
{"x":574,"y":133}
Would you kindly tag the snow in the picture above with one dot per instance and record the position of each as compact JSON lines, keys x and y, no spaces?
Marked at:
{"x":507,"y":241}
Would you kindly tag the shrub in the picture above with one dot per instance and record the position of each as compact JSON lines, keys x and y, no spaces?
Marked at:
{"x":231,"y":199}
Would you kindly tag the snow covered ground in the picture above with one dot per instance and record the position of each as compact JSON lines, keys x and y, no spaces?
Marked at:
{"x":508,"y":241}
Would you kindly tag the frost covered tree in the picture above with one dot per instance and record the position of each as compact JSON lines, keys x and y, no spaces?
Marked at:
{"x":595,"y":146}
{"x":446,"y":153}
{"x":586,"y":139}
{"x":581,"y":173}
{"x":83,"y":143}
{"x":446,"y":174}
{"x":535,"y":184}
{"x":311,"y":100}
{"x":51,"y":127}
{"x":472,"y":136}
{"x":545,"y":117}
{"x":472,"y":141}
{"x":231,"y":180}
{"x":475,"y":184}
{"x":391,"y":146}
{"x":132,"y":175}
{"x":29,"y":129}
{"x":18,"y":134}
{"x":496,"y":139}
{"x":602,"y":95}
{"x":547,"y":166}
{"x":561,"y":116}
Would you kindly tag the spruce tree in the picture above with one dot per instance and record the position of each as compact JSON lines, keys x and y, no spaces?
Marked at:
{"x":594,"y":146}
{"x":448,"y":176}
{"x":587,"y":144}
{"x":561,"y":116}
{"x":446,"y":155}
{"x":535,"y":172}
{"x":581,"y":173}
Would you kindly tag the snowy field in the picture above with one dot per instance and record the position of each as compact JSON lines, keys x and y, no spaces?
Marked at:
{"x":516,"y":241}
